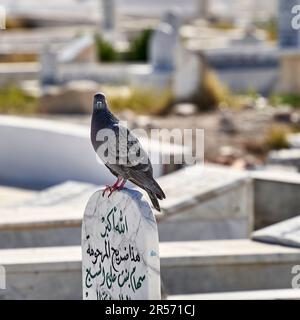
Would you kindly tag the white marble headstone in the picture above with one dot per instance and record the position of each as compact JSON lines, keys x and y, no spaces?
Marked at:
{"x":120,"y":248}
{"x":165,"y":43}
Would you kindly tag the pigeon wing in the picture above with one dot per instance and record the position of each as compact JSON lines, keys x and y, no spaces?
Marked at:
{"x":127,"y":149}
{"x":137,"y":166}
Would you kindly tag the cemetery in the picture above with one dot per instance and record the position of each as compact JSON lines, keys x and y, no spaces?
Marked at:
{"x":213,"y":239}
{"x":228,"y":228}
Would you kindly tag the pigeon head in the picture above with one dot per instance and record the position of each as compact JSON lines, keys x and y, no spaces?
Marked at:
{"x":99,"y":102}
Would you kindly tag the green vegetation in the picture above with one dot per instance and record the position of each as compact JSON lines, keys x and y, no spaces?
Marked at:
{"x":270,"y":27}
{"x":292,"y":100}
{"x":139,"y":47}
{"x":105,"y":51}
{"x":140,"y":100}
{"x":14,"y":100}
{"x":276,"y":137}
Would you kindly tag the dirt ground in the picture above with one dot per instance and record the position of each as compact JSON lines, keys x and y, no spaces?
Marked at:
{"x":239,"y":143}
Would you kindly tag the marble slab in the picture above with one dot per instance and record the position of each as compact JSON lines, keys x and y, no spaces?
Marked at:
{"x":275,"y":294}
{"x":217,"y":203}
{"x":186,"y":268}
{"x":268,"y":209}
{"x":284,"y":233}
{"x":120,"y":248}
{"x":288,"y":157}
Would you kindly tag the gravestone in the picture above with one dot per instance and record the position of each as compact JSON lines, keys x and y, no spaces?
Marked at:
{"x":120,"y":253}
{"x":49,"y":66}
{"x":108,"y":15}
{"x":165,"y":43}
{"x":203,"y":9}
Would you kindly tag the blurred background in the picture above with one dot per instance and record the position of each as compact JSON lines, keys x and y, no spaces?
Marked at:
{"x":226,"y":66}
{"x":218,"y":65}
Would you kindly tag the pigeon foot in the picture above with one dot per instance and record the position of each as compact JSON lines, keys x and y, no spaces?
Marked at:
{"x":117,"y":187}
{"x":107,"y":188}
{"x":114,"y":187}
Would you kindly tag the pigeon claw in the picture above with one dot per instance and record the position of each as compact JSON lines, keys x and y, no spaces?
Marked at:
{"x":112,"y":190}
{"x":114,"y":187}
{"x":107,"y":188}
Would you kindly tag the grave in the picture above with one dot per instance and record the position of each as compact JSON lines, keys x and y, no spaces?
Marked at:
{"x":186,"y":268}
{"x":120,"y":254}
{"x":294,"y":140}
{"x":49,"y":66}
{"x":108,"y":15}
{"x":275,"y":294}
{"x":48,"y":218}
{"x":227,"y":265}
{"x":284,"y":233}
{"x":218,"y":204}
{"x":288,"y":157}
{"x":268,"y":209}
{"x":66,"y":143}
{"x":206,"y":203}
{"x":164,"y":43}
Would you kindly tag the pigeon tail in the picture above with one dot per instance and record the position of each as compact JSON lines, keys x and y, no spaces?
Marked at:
{"x":154,"y":200}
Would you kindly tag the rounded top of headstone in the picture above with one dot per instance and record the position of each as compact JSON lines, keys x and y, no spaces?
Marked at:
{"x":120,"y":247}
{"x":165,"y":28}
{"x":172,"y":17}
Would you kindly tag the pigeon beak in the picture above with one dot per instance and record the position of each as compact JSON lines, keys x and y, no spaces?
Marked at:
{"x":99,"y":105}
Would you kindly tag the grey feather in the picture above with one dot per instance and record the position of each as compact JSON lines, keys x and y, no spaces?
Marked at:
{"x":120,"y":154}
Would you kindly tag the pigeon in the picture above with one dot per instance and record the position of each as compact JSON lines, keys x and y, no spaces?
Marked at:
{"x":121,"y":152}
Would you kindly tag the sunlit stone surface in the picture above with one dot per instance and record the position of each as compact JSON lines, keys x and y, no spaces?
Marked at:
{"x":120,"y":254}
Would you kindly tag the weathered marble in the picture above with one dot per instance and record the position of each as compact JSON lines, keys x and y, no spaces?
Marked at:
{"x":108,"y":15}
{"x":120,"y":254}
{"x":186,"y":268}
{"x":283,"y":233}
{"x":275,"y":294}
{"x":289,"y":157}
{"x":217,"y":204}
{"x":165,"y":42}
{"x":228,"y":265}
{"x":26,"y":136}
{"x":269,"y":209}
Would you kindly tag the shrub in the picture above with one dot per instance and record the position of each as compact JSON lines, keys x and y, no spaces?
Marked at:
{"x":139,"y":47}
{"x":276,"y":137}
{"x":270,"y":27}
{"x":292,"y":100}
{"x":213,"y":93}
{"x":14,"y":100}
{"x":105,"y":51}
{"x":140,"y":100}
